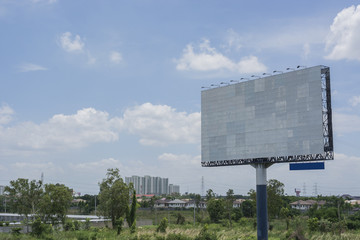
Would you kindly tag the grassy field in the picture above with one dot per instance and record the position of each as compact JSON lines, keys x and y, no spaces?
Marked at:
{"x":183,"y":232}
{"x":245,"y":229}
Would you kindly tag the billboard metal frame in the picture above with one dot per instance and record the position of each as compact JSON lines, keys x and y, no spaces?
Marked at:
{"x":328,"y":153}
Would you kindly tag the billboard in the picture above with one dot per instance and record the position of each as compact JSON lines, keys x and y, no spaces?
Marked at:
{"x":279,"y":118}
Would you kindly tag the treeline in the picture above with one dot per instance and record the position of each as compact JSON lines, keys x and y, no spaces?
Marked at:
{"x":49,"y":204}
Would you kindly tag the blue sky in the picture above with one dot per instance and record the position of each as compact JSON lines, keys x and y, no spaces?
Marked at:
{"x":90,"y":85}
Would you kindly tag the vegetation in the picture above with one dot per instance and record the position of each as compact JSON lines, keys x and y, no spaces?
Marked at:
{"x":114,"y":196}
{"x":335,"y":219}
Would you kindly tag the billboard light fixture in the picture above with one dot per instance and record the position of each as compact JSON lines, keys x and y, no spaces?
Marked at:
{"x":204,"y":87}
{"x":266,"y":74}
{"x":276,"y":71}
{"x":214,"y":85}
{"x":244,"y":79}
{"x":255,"y":76}
{"x":299,"y":66}
{"x":234,"y":81}
{"x":287,"y":69}
{"x":224,"y":83}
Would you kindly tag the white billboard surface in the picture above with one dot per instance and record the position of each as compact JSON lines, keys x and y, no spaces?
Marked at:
{"x":274,"y":116}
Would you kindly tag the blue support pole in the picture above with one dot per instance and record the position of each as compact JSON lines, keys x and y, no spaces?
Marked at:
{"x":261,"y":201}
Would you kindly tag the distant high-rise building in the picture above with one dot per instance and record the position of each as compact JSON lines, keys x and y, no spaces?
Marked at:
{"x":2,"y":189}
{"x":174,"y":188}
{"x":150,"y":185}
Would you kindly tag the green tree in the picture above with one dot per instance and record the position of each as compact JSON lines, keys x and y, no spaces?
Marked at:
{"x":285,"y":214}
{"x":132,"y":214}
{"x":248,"y":208}
{"x":55,"y":203}
{"x":197,"y":199}
{"x":209,"y":194}
{"x":24,"y":196}
{"x":216,"y":209}
{"x":275,"y":191}
{"x":114,"y":196}
{"x":229,"y":203}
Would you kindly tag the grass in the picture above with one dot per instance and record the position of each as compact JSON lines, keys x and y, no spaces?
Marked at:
{"x":244,"y":230}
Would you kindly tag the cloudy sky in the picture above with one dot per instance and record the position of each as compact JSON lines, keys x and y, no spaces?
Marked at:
{"x":91,"y":85}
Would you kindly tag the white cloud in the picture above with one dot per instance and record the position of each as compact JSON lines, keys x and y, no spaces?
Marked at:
{"x":115,"y":57}
{"x":180,"y":159}
{"x":155,"y":124}
{"x":62,"y":131}
{"x":162,"y":124}
{"x":209,"y":59}
{"x":346,"y":123}
{"x":354,"y":101}
{"x":70,"y":44}
{"x":6,"y":113}
{"x":29,"y":67}
{"x":101,"y":165}
{"x":344,"y":37}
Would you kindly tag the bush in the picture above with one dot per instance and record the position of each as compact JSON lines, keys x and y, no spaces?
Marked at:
{"x":324,"y":225}
{"x":133,"y":227}
{"x":237,"y":214}
{"x":353,"y":225}
{"x":163,"y":225}
{"x":205,"y":235}
{"x":69,"y":225}
{"x":76,"y":225}
{"x":119,"y":223}
{"x":7,"y":223}
{"x":1,"y":223}
{"x":16,"y":230}
{"x":313,"y":224}
{"x":87,"y":224}
{"x":180,"y":219}
{"x":38,"y":228}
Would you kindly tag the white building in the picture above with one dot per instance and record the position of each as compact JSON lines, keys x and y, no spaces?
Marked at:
{"x":151,"y":185}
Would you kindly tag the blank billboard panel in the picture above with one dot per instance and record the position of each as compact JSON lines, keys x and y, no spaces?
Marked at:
{"x":279,"y":118}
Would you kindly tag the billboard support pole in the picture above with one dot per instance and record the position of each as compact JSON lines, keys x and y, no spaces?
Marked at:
{"x":261,"y":200}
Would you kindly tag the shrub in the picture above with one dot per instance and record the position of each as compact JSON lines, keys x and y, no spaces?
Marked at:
{"x":87,"y":224}
{"x":76,"y":225}
{"x":16,"y":230}
{"x":324,"y":225}
{"x":180,"y":219}
{"x":353,"y":225}
{"x":7,"y":223}
{"x":1,"y":223}
{"x":313,"y":224}
{"x":119,"y":223}
{"x":205,"y":235}
{"x":133,"y":227}
{"x":69,"y":225}
{"x":163,"y":225}
{"x":38,"y":228}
